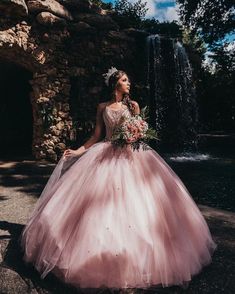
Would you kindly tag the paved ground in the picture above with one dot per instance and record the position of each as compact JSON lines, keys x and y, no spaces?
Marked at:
{"x":21,"y":183}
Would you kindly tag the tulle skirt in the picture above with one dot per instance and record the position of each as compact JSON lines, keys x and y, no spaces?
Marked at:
{"x":117,"y":218}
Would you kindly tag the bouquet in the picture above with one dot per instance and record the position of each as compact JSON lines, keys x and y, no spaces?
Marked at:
{"x":133,"y":131}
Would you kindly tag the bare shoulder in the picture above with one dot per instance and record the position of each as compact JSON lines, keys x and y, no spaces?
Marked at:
{"x":101,"y":106}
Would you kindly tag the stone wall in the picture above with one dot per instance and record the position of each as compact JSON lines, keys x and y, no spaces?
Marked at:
{"x":67,"y":45}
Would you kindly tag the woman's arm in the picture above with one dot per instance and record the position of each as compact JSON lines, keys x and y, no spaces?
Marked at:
{"x":136,"y":107}
{"x":94,"y":138}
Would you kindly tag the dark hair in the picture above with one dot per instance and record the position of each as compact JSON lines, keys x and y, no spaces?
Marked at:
{"x":111,"y":88}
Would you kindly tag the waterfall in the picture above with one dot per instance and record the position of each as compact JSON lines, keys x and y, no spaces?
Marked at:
{"x":171,"y":97}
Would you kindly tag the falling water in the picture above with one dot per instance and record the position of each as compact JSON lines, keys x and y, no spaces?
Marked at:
{"x":171,"y":99}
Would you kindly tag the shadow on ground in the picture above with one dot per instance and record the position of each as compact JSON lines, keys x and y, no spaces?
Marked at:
{"x":25,"y":176}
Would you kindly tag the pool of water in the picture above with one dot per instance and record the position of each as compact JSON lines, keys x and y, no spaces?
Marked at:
{"x":208,"y":175}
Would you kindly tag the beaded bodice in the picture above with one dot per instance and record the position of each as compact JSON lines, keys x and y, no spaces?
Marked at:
{"x":112,"y":117}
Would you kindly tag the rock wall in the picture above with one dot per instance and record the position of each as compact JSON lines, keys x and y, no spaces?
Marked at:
{"x":67,"y":45}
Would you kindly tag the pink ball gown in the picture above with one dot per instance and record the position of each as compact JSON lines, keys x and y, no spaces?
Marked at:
{"x":117,"y":218}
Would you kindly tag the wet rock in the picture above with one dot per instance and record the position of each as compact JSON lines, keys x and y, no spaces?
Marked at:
{"x":43,"y":100}
{"x":63,"y":114}
{"x":55,"y":131}
{"x":78,"y":71}
{"x":66,"y":107}
{"x":49,"y":19}
{"x":95,"y":90}
{"x":135,"y":32}
{"x":6,"y":38}
{"x":104,"y":22}
{"x":13,"y":7}
{"x":83,"y":27}
{"x":61,"y":146}
{"x":119,"y":36}
{"x":82,"y":5}
{"x":51,"y":154}
{"x":49,"y":6}
{"x":61,"y":42}
{"x":60,"y":125}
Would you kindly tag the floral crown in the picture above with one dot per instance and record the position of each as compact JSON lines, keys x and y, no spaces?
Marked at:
{"x":108,"y":74}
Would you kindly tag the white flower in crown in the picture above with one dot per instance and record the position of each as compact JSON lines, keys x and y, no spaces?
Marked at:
{"x":108,"y":74}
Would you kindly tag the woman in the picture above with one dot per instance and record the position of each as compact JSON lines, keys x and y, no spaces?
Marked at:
{"x":114,"y":217}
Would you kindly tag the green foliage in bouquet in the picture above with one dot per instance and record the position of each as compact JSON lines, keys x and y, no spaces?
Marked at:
{"x":134,"y":131}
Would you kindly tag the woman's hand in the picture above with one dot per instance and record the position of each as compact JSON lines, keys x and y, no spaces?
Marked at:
{"x":70,"y":152}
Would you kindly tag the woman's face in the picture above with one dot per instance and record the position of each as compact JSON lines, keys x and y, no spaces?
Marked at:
{"x":123,"y":84}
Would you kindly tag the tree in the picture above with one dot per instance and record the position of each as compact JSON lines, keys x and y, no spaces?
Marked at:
{"x":170,"y":29}
{"x":211,"y":19}
{"x":136,"y":9}
{"x":103,"y":5}
{"x":130,"y":14}
{"x":224,"y":57}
